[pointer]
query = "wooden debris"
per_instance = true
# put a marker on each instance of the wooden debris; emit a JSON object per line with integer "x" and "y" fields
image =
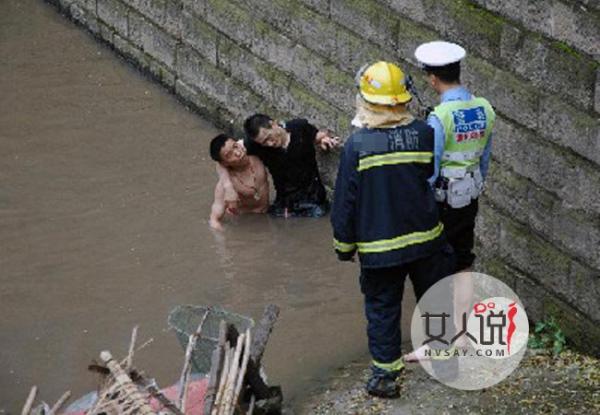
{"x": 234, "y": 385}
{"x": 242, "y": 374}
{"x": 215, "y": 369}
{"x": 232, "y": 378}
{"x": 185, "y": 372}
{"x": 222, "y": 381}
{"x": 126, "y": 386}
{"x": 29, "y": 402}
{"x": 152, "y": 388}
{"x": 251, "y": 406}
{"x": 165, "y": 402}
{"x": 145, "y": 344}
{"x": 129, "y": 360}
{"x": 60, "y": 403}
{"x": 262, "y": 332}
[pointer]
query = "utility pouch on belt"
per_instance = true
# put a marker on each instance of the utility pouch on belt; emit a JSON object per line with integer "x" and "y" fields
{"x": 458, "y": 186}
{"x": 460, "y": 191}
{"x": 440, "y": 194}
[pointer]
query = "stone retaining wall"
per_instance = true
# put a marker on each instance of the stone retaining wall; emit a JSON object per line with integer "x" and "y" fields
{"x": 536, "y": 61}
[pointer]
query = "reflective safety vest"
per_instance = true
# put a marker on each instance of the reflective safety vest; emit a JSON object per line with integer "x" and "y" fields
{"x": 383, "y": 205}
{"x": 467, "y": 126}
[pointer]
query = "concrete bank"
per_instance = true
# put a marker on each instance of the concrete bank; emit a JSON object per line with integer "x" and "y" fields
{"x": 537, "y": 62}
{"x": 542, "y": 384}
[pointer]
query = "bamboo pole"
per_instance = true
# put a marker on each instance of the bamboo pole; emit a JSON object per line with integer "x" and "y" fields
{"x": 183, "y": 379}
{"x": 232, "y": 378}
{"x": 185, "y": 372}
{"x": 129, "y": 360}
{"x": 152, "y": 388}
{"x": 215, "y": 369}
{"x": 103, "y": 397}
{"x": 29, "y": 402}
{"x": 242, "y": 374}
{"x": 222, "y": 380}
{"x": 251, "y": 407}
{"x": 225, "y": 396}
{"x": 60, "y": 403}
{"x": 126, "y": 384}
{"x": 166, "y": 402}
{"x": 145, "y": 344}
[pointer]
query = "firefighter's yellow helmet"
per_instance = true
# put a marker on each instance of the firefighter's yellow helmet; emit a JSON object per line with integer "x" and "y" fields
{"x": 383, "y": 83}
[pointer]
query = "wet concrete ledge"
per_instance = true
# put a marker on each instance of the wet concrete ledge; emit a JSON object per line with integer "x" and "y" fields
{"x": 542, "y": 384}
{"x": 540, "y": 224}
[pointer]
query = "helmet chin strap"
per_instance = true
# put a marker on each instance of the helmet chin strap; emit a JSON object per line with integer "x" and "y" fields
{"x": 360, "y": 73}
{"x": 410, "y": 86}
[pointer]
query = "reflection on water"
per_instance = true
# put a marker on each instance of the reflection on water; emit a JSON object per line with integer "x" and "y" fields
{"x": 105, "y": 188}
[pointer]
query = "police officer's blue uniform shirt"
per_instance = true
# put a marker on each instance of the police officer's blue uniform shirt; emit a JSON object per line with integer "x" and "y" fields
{"x": 459, "y": 93}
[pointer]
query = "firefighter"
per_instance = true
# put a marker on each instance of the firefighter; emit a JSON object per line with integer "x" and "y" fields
{"x": 462, "y": 125}
{"x": 384, "y": 209}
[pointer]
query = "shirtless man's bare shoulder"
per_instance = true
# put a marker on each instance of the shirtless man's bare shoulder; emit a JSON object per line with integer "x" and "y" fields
{"x": 243, "y": 185}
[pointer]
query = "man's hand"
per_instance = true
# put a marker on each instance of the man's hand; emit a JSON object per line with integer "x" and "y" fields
{"x": 232, "y": 207}
{"x": 327, "y": 140}
{"x": 216, "y": 224}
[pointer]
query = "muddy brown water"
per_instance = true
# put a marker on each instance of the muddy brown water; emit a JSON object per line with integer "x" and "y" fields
{"x": 105, "y": 188}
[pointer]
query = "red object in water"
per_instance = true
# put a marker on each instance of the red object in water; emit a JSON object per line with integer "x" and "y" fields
{"x": 194, "y": 404}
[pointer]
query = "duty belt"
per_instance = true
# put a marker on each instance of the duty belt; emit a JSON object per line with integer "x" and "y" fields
{"x": 458, "y": 172}
{"x": 461, "y": 155}
{"x": 458, "y": 192}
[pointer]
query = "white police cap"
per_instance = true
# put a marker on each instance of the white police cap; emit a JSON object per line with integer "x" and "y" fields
{"x": 439, "y": 53}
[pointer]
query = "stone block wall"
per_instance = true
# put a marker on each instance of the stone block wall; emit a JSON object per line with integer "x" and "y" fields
{"x": 538, "y": 62}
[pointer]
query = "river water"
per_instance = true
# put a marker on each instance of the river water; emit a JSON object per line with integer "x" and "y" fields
{"x": 105, "y": 189}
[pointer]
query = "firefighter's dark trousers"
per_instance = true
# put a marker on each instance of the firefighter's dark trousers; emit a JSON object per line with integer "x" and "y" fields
{"x": 383, "y": 289}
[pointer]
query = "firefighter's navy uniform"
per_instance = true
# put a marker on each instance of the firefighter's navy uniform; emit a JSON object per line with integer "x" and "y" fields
{"x": 384, "y": 209}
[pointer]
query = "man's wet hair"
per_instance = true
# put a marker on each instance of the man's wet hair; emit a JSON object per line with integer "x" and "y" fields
{"x": 216, "y": 144}
{"x": 449, "y": 74}
{"x": 254, "y": 123}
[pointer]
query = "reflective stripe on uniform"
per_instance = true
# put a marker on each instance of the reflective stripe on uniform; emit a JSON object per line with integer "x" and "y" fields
{"x": 394, "y": 366}
{"x": 394, "y": 158}
{"x": 398, "y": 242}
{"x": 343, "y": 246}
{"x": 461, "y": 155}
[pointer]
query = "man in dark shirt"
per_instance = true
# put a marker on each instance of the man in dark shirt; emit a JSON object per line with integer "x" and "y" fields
{"x": 288, "y": 151}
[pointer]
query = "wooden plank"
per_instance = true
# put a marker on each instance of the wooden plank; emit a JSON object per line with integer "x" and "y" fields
{"x": 262, "y": 332}
{"x": 215, "y": 369}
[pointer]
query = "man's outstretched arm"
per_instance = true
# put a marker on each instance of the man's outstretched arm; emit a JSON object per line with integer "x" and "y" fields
{"x": 327, "y": 140}
{"x": 217, "y": 210}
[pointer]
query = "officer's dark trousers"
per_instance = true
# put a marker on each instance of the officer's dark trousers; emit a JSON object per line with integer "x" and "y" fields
{"x": 383, "y": 289}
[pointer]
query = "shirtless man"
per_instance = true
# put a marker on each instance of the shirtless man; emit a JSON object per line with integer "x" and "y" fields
{"x": 288, "y": 151}
{"x": 248, "y": 178}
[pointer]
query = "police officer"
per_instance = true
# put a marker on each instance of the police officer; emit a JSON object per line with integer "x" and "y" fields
{"x": 463, "y": 137}
{"x": 384, "y": 209}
